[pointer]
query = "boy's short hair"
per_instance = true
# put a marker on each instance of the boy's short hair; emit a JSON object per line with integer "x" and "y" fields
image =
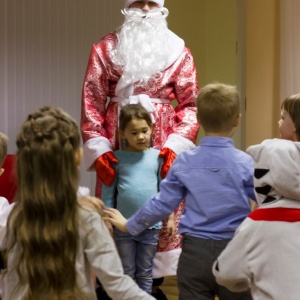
{"x": 218, "y": 105}
{"x": 3, "y": 147}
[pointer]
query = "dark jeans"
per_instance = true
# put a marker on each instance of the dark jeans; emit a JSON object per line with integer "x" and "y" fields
{"x": 194, "y": 274}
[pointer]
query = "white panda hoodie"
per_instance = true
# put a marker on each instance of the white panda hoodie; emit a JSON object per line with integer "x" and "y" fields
{"x": 265, "y": 251}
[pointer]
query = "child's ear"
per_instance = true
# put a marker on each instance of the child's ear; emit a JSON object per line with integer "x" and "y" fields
{"x": 78, "y": 156}
{"x": 236, "y": 121}
{"x": 1, "y": 171}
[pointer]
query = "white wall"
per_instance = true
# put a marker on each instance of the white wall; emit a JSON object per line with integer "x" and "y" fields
{"x": 289, "y": 48}
{"x": 44, "y": 49}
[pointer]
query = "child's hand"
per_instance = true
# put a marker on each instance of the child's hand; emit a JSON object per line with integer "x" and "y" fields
{"x": 171, "y": 228}
{"x": 116, "y": 218}
{"x": 253, "y": 205}
{"x": 92, "y": 202}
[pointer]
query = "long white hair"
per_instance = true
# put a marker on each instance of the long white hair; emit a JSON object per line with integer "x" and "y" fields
{"x": 142, "y": 44}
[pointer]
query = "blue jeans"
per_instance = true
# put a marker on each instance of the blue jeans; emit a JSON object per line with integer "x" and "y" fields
{"x": 137, "y": 253}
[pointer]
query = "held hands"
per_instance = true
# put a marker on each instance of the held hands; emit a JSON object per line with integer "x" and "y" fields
{"x": 168, "y": 155}
{"x": 115, "y": 218}
{"x": 105, "y": 172}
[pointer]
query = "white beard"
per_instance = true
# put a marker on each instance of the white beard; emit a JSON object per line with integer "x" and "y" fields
{"x": 142, "y": 45}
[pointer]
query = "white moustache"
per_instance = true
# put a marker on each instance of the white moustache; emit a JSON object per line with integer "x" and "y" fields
{"x": 159, "y": 13}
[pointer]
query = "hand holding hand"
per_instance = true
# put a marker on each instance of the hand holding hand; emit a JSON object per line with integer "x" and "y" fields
{"x": 105, "y": 172}
{"x": 168, "y": 155}
{"x": 115, "y": 218}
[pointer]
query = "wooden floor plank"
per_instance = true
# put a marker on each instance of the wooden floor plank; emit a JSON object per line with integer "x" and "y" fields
{"x": 169, "y": 287}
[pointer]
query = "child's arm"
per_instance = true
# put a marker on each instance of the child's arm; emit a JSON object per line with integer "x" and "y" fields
{"x": 160, "y": 206}
{"x": 171, "y": 226}
{"x": 113, "y": 216}
{"x": 85, "y": 200}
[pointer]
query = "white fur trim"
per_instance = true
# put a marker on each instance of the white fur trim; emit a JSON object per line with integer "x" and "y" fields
{"x": 165, "y": 263}
{"x": 94, "y": 148}
{"x": 124, "y": 89}
{"x": 176, "y": 46}
{"x": 127, "y": 3}
{"x": 178, "y": 143}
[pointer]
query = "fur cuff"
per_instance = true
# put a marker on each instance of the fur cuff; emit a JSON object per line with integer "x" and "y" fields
{"x": 94, "y": 148}
{"x": 178, "y": 143}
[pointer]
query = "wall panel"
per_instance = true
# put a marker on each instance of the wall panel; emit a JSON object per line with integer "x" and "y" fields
{"x": 44, "y": 51}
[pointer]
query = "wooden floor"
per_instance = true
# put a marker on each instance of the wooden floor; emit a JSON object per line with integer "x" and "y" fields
{"x": 169, "y": 287}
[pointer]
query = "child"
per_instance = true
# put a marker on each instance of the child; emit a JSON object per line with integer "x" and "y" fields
{"x": 137, "y": 179}
{"x": 264, "y": 254}
{"x": 52, "y": 243}
{"x": 289, "y": 124}
{"x": 217, "y": 181}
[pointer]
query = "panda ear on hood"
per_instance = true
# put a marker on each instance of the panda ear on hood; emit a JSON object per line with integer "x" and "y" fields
{"x": 277, "y": 164}
{"x": 255, "y": 150}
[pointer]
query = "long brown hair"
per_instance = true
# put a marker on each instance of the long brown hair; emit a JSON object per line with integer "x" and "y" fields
{"x": 43, "y": 224}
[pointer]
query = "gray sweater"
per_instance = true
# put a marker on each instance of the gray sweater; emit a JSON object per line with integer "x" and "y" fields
{"x": 97, "y": 253}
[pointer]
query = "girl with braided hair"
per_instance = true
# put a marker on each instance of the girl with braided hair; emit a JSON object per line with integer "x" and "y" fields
{"x": 53, "y": 244}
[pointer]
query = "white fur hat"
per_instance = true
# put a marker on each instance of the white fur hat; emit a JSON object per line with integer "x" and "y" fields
{"x": 127, "y": 3}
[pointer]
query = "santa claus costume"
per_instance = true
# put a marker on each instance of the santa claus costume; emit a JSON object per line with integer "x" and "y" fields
{"x": 152, "y": 67}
